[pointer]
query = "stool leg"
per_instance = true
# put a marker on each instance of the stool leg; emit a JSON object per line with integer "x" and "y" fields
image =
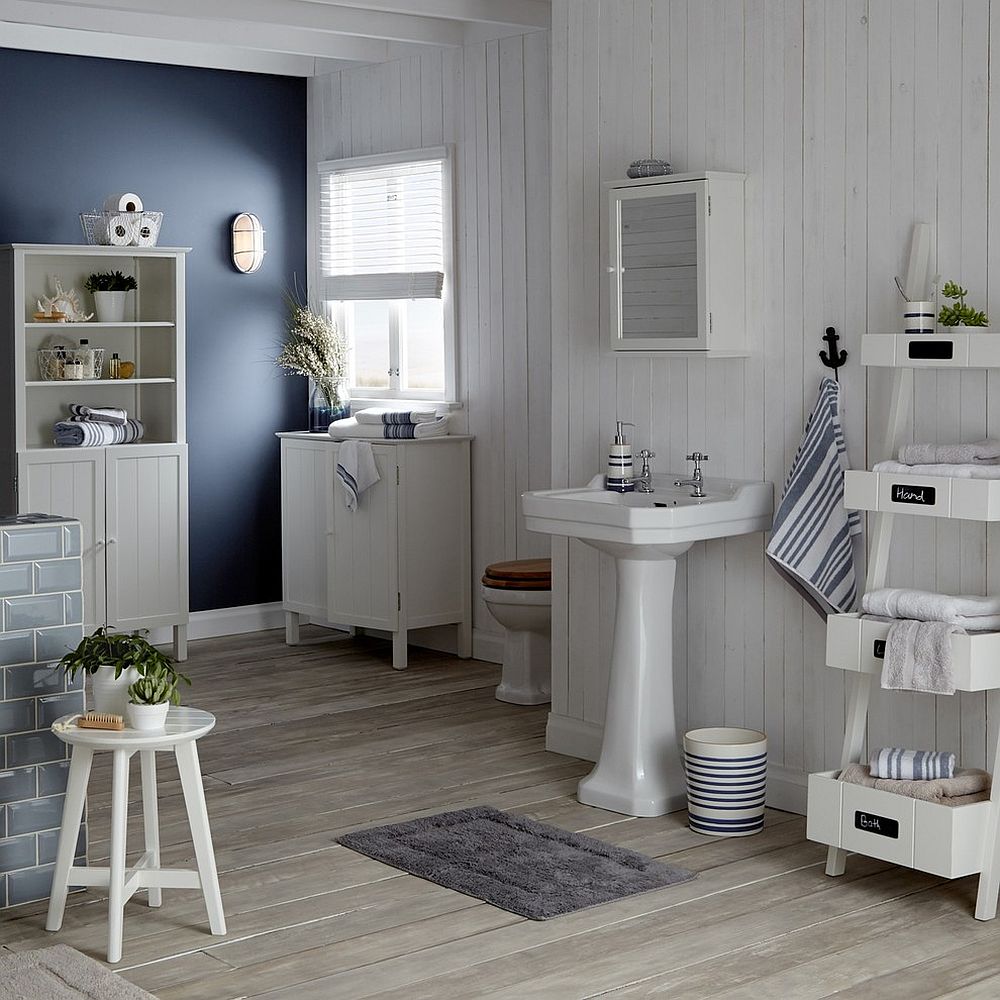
{"x": 76, "y": 794}
{"x": 201, "y": 835}
{"x": 116, "y": 873}
{"x": 150, "y": 817}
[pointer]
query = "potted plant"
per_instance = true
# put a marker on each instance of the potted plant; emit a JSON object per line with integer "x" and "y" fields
{"x": 114, "y": 660}
{"x": 109, "y": 289}
{"x": 150, "y": 697}
{"x": 957, "y": 315}
{"x": 314, "y": 347}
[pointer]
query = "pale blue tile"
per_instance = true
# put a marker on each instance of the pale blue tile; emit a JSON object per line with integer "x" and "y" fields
{"x": 54, "y": 706}
{"x": 20, "y": 784}
{"x": 74, "y": 608}
{"x": 17, "y": 647}
{"x": 15, "y": 579}
{"x": 34, "y": 815}
{"x": 18, "y": 852}
{"x": 29, "y": 886}
{"x": 33, "y": 612}
{"x": 32, "y": 543}
{"x": 34, "y": 748}
{"x": 33, "y": 679}
{"x": 57, "y": 574}
{"x": 71, "y": 540}
{"x": 52, "y": 778}
{"x": 17, "y": 716}
{"x": 48, "y": 844}
{"x": 55, "y": 643}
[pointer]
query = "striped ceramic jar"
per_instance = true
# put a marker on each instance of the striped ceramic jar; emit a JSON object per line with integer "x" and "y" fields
{"x": 726, "y": 778}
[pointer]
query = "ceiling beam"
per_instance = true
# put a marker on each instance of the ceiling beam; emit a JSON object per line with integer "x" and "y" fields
{"x": 528, "y": 14}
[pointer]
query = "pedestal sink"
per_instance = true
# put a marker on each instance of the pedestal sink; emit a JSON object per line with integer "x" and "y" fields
{"x": 639, "y": 772}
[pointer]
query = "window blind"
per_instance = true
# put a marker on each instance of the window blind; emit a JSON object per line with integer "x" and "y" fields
{"x": 381, "y": 231}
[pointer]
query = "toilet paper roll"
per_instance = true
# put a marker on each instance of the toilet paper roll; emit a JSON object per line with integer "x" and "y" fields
{"x": 146, "y": 232}
{"x": 122, "y": 230}
{"x": 128, "y": 201}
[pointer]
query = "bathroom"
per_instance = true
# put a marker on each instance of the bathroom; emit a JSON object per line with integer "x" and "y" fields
{"x": 851, "y": 121}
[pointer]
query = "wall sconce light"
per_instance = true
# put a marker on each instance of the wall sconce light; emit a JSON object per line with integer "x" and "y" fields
{"x": 248, "y": 243}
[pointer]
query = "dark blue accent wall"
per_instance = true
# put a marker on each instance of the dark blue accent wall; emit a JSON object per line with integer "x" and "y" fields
{"x": 200, "y": 146}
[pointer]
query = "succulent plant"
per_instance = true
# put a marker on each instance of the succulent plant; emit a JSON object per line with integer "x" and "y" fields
{"x": 958, "y": 313}
{"x": 157, "y": 687}
{"x": 110, "y": 281}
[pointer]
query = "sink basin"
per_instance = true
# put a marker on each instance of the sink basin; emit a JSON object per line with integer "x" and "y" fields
{"x": 639, "y": 771}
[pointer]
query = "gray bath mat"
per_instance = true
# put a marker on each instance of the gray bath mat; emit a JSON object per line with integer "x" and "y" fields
{"x": 61, "y": 973}
{"x": 528, "y": 868}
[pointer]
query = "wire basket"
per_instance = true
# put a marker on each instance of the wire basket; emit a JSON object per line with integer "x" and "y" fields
{"x": 52, "y": 363}
{"x": 121, "y": 229}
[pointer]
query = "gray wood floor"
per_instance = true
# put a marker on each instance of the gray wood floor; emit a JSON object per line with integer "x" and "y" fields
{"x": 326, "y": 737}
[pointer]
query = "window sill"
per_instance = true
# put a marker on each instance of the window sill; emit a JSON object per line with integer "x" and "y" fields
{"x": 404, "y": 402}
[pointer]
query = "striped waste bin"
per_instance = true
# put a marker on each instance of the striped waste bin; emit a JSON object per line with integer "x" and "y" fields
{"x": 726, "y": 778}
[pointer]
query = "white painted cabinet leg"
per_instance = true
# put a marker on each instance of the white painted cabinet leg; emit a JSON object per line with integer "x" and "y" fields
{"x": 465, "y": 639}
{"x": 180, "y": 643}
{"x": 201, "y": 835}
{"x": 292, "y": 620}
{"x": 116, "y": 873}
{"x": 399, "y": 650}
{"x": 989, "y": 877}
{"x": 150, "y": 818}
{"x": 76, "y": 795}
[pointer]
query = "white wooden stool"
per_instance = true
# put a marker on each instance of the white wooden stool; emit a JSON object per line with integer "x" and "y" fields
{"x": 183, "y": 727}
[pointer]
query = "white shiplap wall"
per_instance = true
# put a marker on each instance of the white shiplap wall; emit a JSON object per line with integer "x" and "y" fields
{"x": 851, "y": 120}
{"x": 491, "y": 101}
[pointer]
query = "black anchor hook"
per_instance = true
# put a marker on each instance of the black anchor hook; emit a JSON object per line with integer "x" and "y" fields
{"x": 835, "y": 358}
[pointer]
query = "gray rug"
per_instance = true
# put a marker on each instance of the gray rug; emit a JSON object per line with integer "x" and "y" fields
{"x": 61, "y": 973}
{"x": 528, "y": 868}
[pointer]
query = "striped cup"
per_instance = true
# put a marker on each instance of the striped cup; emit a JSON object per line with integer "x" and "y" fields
{"x": 726, "y": 778}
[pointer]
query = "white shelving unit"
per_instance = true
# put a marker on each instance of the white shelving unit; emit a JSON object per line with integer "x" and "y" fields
{"x": 130, "y": 499}
{"x": 950, "y": 841}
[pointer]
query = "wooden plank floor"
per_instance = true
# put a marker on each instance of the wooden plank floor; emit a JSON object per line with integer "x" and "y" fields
{"x": 326, "y": 737}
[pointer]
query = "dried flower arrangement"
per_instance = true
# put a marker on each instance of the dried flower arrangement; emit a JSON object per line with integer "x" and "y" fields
{"x": 313, "y": 347}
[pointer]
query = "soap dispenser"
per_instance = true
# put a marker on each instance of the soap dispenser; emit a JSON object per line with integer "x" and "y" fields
{"x": 620, "y": 477}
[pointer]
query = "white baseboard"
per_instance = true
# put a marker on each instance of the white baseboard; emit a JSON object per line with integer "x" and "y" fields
{"x": 487, "y": 646}
{"x": 226, "y": 621}
{"x": 787, "y": 788}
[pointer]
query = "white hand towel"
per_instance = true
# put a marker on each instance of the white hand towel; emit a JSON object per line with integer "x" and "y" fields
{"x": 349, "y": 427}
{"x": 975, "y": 453}
{"x": 356, "y": 470}
{"x": 380, "y": 415}
{"x": 967, "y": 611}
{"x": 918, "y": 657}
{"x": 954, "y": 471}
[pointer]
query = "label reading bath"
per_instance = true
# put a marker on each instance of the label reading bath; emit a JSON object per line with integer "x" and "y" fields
{"x": 881, "y": 825}
{"x": 923, "y": 495}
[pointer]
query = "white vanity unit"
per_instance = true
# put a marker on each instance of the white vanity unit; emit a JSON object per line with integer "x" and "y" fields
{"x": 131, "y": 499}
{"x": 401, "y": 561}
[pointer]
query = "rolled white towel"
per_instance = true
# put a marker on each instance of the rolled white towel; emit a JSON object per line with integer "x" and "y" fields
{"x": 954, "y": 471}
{"x": 975, "y": 453}
{"x": 350, "y": 428}
{"x": 380, "y": 415}
{"x": 968, "y": 611}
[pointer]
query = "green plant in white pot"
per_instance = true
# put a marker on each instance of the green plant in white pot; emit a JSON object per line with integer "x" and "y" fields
{"x": 110, "y": 290}
{"x": 150, "y": 697}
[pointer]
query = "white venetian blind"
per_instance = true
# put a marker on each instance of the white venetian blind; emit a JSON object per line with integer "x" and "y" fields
{"x": 381, "y": 230}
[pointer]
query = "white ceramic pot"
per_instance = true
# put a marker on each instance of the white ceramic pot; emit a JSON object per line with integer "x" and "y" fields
{"x": 147, "y": 718}
{"x": 919, "y": 317}
{"x": 111, "y": 693}
{"x": 110, "y": 306}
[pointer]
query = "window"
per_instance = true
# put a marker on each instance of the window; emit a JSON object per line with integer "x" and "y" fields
{"x": 384, "y": 270}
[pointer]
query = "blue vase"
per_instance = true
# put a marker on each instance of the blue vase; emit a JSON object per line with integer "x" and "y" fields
{"x": 322, "y": 412}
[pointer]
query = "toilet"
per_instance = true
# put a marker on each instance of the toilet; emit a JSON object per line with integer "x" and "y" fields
{"x": 519, "y": 596}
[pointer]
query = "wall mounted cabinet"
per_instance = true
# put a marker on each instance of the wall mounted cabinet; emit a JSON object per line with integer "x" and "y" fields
{"x": 676, "y": 267}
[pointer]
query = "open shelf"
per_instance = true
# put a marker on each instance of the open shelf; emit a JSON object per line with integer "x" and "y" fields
{"x": 60, "y": 327}
{"x": 943, "y": 840}
{"x": 118, "y": 382}
{"x": 931, "y": 350}
{"x": 858, "y": 644}
{"x": 927, "y": 496}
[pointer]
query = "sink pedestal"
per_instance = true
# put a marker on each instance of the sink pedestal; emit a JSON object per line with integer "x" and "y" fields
{"x": 639, "y": 772}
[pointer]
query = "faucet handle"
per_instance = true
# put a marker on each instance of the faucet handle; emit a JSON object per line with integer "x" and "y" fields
{"x": 697, "y": 456}
{"x": 646, "y": 453}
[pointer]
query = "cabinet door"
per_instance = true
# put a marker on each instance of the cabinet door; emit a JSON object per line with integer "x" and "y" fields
{"x": 363, "y": 569}
{"x": 71, "y": 482}
{"x": 304, "y": 488}
{"x": 147, "y": 550}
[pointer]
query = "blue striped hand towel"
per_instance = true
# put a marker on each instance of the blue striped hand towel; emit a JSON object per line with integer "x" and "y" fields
{"x": 910, "y": 765}
{"x": 356, "y": 470}
{"x": 811, "y": 542}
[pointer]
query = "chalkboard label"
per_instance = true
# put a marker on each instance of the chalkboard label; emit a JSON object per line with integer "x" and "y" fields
{"x": 881, "y": 825}
{"x": 879, "y": 650}
{"x": 931, "y": 350}
{"x": 922, "y": 495}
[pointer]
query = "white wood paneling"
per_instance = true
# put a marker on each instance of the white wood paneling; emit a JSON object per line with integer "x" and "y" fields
{"x": 852, "y": 120}
{"x": 491, "y": 101}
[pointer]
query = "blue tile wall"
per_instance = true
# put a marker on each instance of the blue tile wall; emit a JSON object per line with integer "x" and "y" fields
{"x": 41, "y": 615}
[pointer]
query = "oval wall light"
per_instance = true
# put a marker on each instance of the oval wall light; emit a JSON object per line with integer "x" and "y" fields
{"x": 248, "y": 243}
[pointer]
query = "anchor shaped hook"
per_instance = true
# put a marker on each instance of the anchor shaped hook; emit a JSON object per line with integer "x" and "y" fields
{"x": 835, "y": 358}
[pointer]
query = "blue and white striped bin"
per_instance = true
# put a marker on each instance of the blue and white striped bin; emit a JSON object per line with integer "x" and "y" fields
{"x": 726, "y": 780}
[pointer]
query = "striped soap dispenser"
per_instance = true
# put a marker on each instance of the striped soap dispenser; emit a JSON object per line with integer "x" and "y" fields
{"x": 620, "y": 477}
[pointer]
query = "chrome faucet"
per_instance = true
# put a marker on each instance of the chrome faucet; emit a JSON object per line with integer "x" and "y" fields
{"x": 645, "y": 476}
{"x": 697, "y": 480}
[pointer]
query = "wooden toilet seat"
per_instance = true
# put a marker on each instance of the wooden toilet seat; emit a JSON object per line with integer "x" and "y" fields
{"x": 519, "y": 574}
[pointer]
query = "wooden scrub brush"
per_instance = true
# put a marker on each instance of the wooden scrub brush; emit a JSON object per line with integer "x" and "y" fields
{"x": 100, "y": 720}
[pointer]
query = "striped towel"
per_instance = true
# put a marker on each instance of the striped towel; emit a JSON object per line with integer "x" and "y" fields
{"x": 376, "y": 415}
{"x": 95, "y": 434}
{"x": 102, "y": 414}
{"x": 895, "y": 762}
{"x": 811, "y": 540}
{"x": 356, "y": 470}
{"x": 350, "y": 428}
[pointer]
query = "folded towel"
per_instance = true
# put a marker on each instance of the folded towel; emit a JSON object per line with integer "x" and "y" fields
{"x": 811, "y": 542}
{"x": 102, "y": 414}
{"x": 978, "y": 452}
{"x": 968, "y": 611}
{"x": 911, "y": 765}
{"x": 350, "y": 428}
{"x": 968, "y": 785}
{"x": 94, "y": 434}
{"x": 954, "y": 471}
{"x": 918, "y": 657}
{"x": 377, "y": 415}
{"x": 356, "y": 470}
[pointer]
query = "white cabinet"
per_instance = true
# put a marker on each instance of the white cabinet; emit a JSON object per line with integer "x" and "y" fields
{"x": 401, "y": 561}
{"x": 131, "y": 500}
{"x": 676, "y": 267}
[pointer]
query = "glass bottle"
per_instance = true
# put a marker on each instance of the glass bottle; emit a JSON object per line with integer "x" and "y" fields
{"x": 114, "y": 367}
